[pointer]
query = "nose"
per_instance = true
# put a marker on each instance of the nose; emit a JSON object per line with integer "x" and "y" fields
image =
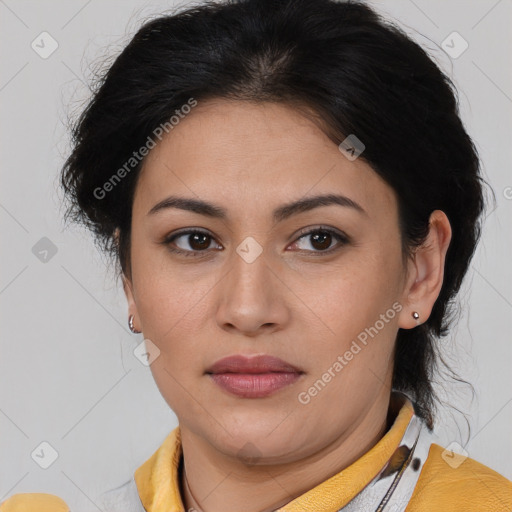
{"x": 251, "y": 298}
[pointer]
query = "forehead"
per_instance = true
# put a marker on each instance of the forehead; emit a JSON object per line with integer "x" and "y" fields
{"x": 254, "y": 155}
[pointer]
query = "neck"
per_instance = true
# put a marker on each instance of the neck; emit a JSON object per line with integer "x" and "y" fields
{"x": 213, "y": 482}
{"x": 189, "y": 501}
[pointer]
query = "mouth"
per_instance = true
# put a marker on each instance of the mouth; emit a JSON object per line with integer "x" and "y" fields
{"x": 253, "y": 377}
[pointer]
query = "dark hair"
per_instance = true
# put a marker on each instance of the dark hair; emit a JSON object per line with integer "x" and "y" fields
{"x": 358, "y": 73}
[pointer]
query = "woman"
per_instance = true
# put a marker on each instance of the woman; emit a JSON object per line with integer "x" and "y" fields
{"x": 293, "y": 202}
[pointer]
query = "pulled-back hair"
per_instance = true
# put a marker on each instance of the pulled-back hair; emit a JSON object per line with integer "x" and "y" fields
{"x": 338, "y": 59}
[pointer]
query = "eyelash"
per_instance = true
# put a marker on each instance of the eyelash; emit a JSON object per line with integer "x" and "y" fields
{"x": 339, "y": 236}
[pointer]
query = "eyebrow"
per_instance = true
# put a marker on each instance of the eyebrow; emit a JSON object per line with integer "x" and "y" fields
{"x": 279, "y": 214}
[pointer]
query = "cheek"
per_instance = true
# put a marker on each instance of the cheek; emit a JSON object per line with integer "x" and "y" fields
{"x": 166, "y": 293}
{"x": 173, "y": 313}
{"x": 354, "y": 293}
{"x": 358, "y": 303}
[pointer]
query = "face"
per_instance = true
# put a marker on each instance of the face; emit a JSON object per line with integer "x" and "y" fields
{"x": 319, "y": 286}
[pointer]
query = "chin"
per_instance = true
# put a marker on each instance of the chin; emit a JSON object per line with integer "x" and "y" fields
{"x": 257, "y": 445}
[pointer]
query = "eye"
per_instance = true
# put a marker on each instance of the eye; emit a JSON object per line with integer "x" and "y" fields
{"x": 320, "y": 240}
{"x": 193, "y": 242}
{"x": 190, "y": 242}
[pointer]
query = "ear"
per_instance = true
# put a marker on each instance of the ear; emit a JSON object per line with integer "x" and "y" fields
{"x": 128, "y": 291}
{"x": 426, "y": 272}
{"x": 128, "y": 288}
{"x": 130, "y": 298}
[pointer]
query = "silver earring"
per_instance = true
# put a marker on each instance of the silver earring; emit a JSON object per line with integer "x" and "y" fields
{"x": 131, "y": 326}
{"x": 415, "y": 315}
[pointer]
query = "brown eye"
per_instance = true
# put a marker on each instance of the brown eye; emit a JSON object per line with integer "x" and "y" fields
{"x": 199, "y": 241}
{"x": 320, "y": 240}
{"x": 189, "y": 242}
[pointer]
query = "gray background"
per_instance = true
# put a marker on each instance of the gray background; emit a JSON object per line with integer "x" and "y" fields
{"x": 67, "y": 370}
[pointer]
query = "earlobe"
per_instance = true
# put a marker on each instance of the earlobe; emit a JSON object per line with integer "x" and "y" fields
{"x": 426, "y": 272}
{"x": 128, "y": 291}
{"x": 132, "y": 307}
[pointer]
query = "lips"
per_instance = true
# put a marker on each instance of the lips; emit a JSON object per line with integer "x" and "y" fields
{"x": 253, "y": 377}
{"x": 255, "y": 364}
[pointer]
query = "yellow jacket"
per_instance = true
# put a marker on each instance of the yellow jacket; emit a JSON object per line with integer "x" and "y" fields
{"x": 445, "y": 484}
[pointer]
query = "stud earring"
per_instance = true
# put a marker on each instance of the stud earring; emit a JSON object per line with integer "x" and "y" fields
{"x": 131, "y": 326}
{"x": 415, "y": 315}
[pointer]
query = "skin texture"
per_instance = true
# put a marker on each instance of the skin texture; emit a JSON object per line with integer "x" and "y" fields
{"x": 292, "y": 301}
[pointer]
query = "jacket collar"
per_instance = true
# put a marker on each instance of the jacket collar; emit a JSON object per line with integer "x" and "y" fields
{"x": 158, "y": 478}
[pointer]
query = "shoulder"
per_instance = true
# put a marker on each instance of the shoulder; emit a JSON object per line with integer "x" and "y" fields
{"x": 124, "y": 498}
{"x": 451, "y": 482}
{"x": 29, "y": 502}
